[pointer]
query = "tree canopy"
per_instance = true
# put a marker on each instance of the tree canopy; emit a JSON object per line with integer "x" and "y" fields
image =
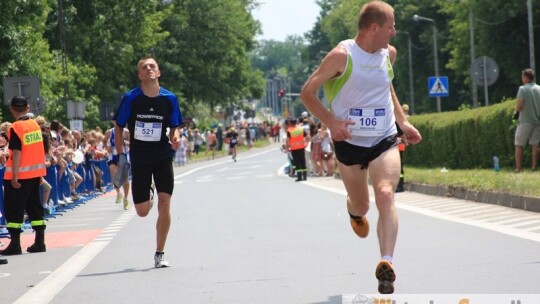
{"x": 87, "y": 50}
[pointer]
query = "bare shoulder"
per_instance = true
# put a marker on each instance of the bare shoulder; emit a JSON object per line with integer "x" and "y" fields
{"x": 392, "y": 52}
{"x": 335, "y": 61}
{"x": 337, "y": 54}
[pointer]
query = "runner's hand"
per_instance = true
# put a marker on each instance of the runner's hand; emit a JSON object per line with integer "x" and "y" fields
{"x": 175, "y": 143}
{"x": 413, "y": 136}
{"x": 339, "y": 129}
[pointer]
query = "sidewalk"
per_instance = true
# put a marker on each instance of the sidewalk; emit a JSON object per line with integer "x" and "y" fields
{"x": 526, "y": 203}
{"x": 518, "y": 222}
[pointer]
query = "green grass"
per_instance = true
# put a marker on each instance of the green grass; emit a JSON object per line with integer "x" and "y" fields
{"x": 526, "y": 183}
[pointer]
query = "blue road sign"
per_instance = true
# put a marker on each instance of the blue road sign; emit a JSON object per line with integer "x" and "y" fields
{"x": 438, "y": 86}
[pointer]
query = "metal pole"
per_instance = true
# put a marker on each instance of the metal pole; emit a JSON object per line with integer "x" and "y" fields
{"x": 274, "y": 98}
{"x": 271, "y": 95}
{"x": 436, "y": 62}
{"x": 289, "y": 101}
{"x": 531, "y": 34}
{"x": 486, "y": 93}
{"x": 471, "y": 36}
{"x": 411, "y": 82}
{"x": 61, "y": 28}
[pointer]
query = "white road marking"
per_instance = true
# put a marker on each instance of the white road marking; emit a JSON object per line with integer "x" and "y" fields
{"x": 50, "y": 286}
{"x": 428, "y": 209}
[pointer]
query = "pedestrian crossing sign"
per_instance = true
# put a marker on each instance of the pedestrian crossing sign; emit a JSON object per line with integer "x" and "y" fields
{"x": 438, "y": 86}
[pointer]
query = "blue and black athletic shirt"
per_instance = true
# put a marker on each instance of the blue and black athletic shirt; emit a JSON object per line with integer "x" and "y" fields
{"x": 147, "y": 119}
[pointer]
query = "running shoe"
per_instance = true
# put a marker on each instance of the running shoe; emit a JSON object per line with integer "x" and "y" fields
{"x": 386, "y": 276}
{"x": 126, "y": 203}
{"x": 360, "y": 225}
{"x": 119, "y": 198}
{"x": 159, "y": 261}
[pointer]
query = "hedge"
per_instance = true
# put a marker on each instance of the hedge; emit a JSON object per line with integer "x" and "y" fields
{"x": 465, "y": 139}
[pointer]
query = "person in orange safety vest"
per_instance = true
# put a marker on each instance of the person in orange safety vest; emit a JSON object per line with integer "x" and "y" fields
{"x": 296, "y": 141}
{"x": 25, "y": 168}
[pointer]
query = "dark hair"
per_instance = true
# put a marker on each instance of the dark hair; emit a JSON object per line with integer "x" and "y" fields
{"x": 147, "y": 56}
{"x": 55, "y": 125}
{"x": 529, "y": 73}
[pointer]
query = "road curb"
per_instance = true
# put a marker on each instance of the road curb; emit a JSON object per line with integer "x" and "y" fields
{"x": 527, "y": 203}
{"x": 495, "y": 198}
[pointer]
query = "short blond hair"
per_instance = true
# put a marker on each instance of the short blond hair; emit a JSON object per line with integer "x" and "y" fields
{"x": 4, "y": 127}
{"x": 375, "y": 11}
{"x": 40, "y": 120}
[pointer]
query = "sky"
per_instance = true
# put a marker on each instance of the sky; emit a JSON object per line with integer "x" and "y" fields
{"x": 280, "y": 18}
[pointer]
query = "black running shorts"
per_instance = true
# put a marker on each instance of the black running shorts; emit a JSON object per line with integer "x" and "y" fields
{"x": 349, "y": 154}
{"x": 141, "y": 179}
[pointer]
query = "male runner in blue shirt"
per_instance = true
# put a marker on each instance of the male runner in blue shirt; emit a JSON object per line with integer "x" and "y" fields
{"x": 148, "y": 111}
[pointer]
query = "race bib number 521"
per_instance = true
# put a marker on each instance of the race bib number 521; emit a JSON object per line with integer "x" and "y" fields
{"x": 148, "y": 131}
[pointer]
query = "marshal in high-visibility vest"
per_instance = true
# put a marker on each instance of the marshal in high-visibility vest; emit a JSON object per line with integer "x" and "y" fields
{"x": 32, "y": 160}
{"x": 24, "y": 171}
{"x": 297, "y": 142}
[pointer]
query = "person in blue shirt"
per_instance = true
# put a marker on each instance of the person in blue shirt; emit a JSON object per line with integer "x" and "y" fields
{"x": 149, "y": 112}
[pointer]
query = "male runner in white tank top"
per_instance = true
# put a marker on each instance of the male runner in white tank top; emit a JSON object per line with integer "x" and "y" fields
{"x": 364, "y": 109}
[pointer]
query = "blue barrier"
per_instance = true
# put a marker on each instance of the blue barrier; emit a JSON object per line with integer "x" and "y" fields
{"x": 52, "y": 179}
{"x": 105, "y": 174}
{"x": 60, "y": 187}
{"x": 82, "y": 172}
{"x": 89, "y": 178}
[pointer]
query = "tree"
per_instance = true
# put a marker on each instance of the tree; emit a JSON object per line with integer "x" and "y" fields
{"x": 23, "y": 49}
{"x": 207, "y": 51}
{"x": 108, "y": 38}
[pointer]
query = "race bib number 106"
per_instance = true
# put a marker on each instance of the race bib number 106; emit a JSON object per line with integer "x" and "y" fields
{"x": 368, "y": 122}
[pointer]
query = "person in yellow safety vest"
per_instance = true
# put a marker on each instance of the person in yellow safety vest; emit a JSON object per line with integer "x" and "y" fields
{"x": 25, "y": 168}
{"x": 296, "y": 142}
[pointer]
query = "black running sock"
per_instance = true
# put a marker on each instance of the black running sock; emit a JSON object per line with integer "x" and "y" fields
{"x": 354, "y": 217}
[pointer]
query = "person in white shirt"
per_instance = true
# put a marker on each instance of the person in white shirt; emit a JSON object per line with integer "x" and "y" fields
{"x": 357, "y": 75}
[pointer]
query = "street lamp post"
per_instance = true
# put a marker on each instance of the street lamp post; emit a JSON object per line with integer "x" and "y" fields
{"x": 285, "y": 83}
{"x": 531, "y": 34}
{"x": 435, "y": 52}
{"x": 271, "y": 95}
{"x": 411, "y": 81}
{"x": 473, "y": 57}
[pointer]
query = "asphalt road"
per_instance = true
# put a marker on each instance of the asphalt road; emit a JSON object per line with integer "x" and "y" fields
{"x": 245, "y": 233}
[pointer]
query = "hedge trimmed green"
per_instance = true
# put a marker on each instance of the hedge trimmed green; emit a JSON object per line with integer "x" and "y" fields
{"x": 465, "y": 139}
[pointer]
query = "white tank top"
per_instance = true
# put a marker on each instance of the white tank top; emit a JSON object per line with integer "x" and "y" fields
{"x": 362, "y": 94}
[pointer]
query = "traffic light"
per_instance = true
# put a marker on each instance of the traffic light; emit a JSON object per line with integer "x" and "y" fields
{"x": 281, "y": 93}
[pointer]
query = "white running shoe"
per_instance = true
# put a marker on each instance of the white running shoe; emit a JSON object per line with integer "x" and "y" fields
{"x": 160, "y": 262}
{"x": 126, "y": 203}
